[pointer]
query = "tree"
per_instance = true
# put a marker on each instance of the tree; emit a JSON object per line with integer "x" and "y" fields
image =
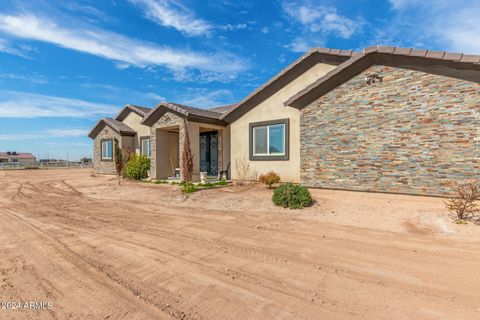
{"x": 187, "y": 157}
{"x": 118, "y": 160}
{"x": 85, "y": 160}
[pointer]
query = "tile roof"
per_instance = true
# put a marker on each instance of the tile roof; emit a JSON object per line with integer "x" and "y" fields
{"x": 118, "y": 126}
{"x": 359, "y": 61}
{"x": 191, "y": 113}
{"x": 142, "y": 111}
{"x": 17, "y": 155}
{"x": 225, "y": 108}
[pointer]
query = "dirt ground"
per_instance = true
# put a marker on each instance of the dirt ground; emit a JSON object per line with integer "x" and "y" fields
{"x": 97, "y": 250}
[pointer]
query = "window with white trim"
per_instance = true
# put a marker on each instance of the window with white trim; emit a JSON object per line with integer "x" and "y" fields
{"x": 106, "y": 149}
{"x": 145, "y": 146}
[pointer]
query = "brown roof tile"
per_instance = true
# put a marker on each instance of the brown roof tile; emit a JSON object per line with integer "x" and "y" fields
{"x": 470, "y": 58}
{"x": 452, "y": 56}
{"x": 118, "y": 126}
{"x": 418, "y": 52}
{"x": 435, "y": 54}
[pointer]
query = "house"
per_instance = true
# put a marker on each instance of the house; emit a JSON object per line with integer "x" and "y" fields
{"x": 384, "y": 119}
{"x": 21, "y": 159}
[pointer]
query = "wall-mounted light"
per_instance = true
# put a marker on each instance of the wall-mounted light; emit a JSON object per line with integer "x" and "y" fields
{"x": 372, "y": 77}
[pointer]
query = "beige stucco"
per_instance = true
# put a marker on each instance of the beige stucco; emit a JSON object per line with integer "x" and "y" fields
{"x": 166, "y": 144}
{"x": 133, "y": 121}
{"x": 194, "y": 135}
{"x": 272, "y": 109}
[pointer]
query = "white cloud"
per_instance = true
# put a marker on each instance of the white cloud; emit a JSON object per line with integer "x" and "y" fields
{"x": 7, "y": 47}
{"x": 51, "y": 133}
{"x": 15, "y": 104}
{"x": 113, "y": 46}
{"x": 173, "y": 14}
{"x": 435, "y": 24}
{"x": 33, "y": 78}
{"x": 204, "y": 98}
{"x": 318, "y": 22}
{"x": 321, "y": 18}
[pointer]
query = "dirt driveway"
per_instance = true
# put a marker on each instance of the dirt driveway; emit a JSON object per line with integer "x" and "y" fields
{"x": 97, "y": 250}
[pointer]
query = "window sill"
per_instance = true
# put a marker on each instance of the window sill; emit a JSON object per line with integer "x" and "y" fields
{"x": 269, "y": 158}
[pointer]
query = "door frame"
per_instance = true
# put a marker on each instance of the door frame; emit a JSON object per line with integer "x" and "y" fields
{"x": 209, "y": 151}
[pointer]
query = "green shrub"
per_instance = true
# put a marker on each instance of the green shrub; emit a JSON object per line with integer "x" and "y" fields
{"x": 221, "y": 183}
{"x": 206, "y": 184}
{"x": 269, "y": 178}
{"x": 137, "y": 167}
{"x": 293, "y": 196}
{"x": 160, "y": 182}
{"x": 188, "y": 188}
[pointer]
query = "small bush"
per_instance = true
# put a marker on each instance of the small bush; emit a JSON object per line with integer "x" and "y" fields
{"x": 160, "y": 182}
{"x": 269, "y": 178}
{"x": 188, "y": 188}
{"x": 464, "y": 198}
{"x": 137, "y": 167}
{"x": 293, "y": 196}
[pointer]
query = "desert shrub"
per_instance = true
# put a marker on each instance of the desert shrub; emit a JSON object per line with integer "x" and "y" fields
{"x": 269, "y": 178}
{"x": 293, "y": 196}
{"x": 118, "y": 160}
{"x": 188, "y": 187}
{"x": 137, "y": 167}
{"x": 244, "y": 172}
{"x": 464, "y": 198}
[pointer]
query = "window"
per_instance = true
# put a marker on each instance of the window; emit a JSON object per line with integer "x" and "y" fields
{"x": 269, "y": 140}
{"x": 106, "y": 150}
{"x": 145, "y": 146}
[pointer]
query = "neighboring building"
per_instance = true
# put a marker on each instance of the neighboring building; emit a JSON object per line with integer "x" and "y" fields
{"x": 21, "y": 159}
{"x": 385, "y": 119}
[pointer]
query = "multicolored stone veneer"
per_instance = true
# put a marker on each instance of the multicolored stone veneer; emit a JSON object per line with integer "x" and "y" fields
{"x": 414, "y": 132}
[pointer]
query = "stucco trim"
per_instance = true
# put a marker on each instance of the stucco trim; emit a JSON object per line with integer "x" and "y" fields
{"x": 113, "y": 150}
{"x": 284, "y": 157}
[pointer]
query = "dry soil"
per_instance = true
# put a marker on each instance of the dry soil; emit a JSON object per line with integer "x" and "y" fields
{"x": 98, "y": 250}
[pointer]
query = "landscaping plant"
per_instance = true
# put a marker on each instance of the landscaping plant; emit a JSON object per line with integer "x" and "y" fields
{"x": 118, "y": 158}
{"x": 137, "y": 167}
{"x": 293, "y": 196}
{"x": 269, "y": 178}
{"x": 187, "y": 157}
{"x": 244, "y": 171}
{"x": 464, "y": 198}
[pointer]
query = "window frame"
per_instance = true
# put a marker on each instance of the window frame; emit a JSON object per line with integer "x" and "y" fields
{"x": 101, "y": 150}
{"x": 269, "y": 157}
{"x": 149, "y": 146}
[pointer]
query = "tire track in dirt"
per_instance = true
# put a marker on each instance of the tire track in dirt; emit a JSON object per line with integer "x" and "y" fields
{"x": 89, "y": 270}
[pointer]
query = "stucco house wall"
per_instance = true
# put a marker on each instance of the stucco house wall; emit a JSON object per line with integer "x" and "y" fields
{"x": 162, "y": 140}
{"x": 273, "y": 109}
{"x": 133, "y": 121}
{"x": 414, "y": 132}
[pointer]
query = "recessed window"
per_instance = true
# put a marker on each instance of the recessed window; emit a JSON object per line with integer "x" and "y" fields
{"x": 106, "y": 150}
{"x": 269, "y": 140}
{"x": 145, "y": 146}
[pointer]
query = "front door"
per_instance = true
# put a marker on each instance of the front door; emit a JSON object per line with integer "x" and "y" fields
{"x": 208, "y": 152}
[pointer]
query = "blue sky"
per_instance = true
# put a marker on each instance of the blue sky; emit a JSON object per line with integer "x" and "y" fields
{"x": 64, "y": 64}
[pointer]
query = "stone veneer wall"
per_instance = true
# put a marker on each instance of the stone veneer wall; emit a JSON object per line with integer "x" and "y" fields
{"x": 167, "y": 120}
{"x": 413, "y": 132}
{"x": 103, "y": 167}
